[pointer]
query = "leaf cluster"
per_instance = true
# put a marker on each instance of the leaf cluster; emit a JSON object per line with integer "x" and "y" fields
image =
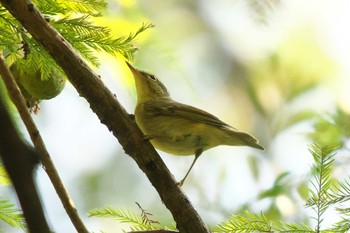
{"x": 136, "y": 222}
{"x": 247, "y": 222}
{"x": 11, "y": 215}
{"x": 332, "y": 129}
{"x": 74, "y": 20}
{"x": 8, "y": 211}
{"x": 324, "y": 193}
{"x": 322, "y": 182}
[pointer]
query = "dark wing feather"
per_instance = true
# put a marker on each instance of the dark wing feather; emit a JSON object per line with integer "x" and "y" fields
{"x": 171, "y": 108}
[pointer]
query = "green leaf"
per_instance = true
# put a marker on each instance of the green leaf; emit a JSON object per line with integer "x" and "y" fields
{"x": 54, "y": 7}
{"x": 11, "y": 215}
{"x": 247, "y": 222}
{"x": 303, "y": 190}
{"x": 125, "y": 216}
{"x": 332, "y": 129}
{"x": 292, "y": 228}
{"x": 280, "y": 186}
{"x": 321, "y": 182}
{"x": 253, "y": 163}
{"x": 4, "y": 178}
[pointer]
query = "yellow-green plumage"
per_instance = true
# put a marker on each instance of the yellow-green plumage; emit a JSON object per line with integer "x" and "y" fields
{"x": 182, "y": 129}
{"x": 177, "y": 128}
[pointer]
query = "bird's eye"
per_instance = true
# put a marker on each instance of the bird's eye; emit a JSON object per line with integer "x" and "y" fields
{"x": 153, "y": 77}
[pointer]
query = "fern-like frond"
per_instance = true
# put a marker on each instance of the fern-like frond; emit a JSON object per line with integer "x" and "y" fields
{"x": 103, "y": 41}
{"x": 11, "y": 215}
{"x": 9, "y": 36}
{"x": 81, "y": 26}
{"x": 123, "y": 215}
{"x": 86, "y": 52}
{"x": 12, "y": 39}
{"x": 247, "y": 222}
{"x": 340, "y": 196}
{"x": 50, "y": 7}
{"x": 72, "y": 18}
{"x": 342, "y": 226}
{"x": 321, "y": 181}
{"x": 84, "y": 6}
{"x": 127, "y": 216}
{"x": 340, "y": 192}
{"x": 54, "y": 7}
{"x": 292, "y": 228}
{"x": 6, "y": 41}
{"x": 37, "y": 59}
{"x": 123, "y": 45}
{"x": 86, "y": 37}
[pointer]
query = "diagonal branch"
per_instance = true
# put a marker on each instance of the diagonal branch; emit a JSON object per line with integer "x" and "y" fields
{"x": 110, "y": 113}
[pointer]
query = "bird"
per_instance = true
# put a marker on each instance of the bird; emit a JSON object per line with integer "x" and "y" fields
{"x": 178, "y": 128}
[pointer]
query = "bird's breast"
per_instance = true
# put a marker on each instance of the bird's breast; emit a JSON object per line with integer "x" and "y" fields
{"x": 175, "y": 136}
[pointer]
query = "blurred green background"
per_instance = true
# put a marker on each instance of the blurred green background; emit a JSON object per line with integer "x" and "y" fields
{"x": 276, "y": 69}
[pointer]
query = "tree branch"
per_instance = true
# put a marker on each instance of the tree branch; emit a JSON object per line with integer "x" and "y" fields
{"x": 110, "y": 113}
{"x": 19, "y": 102}
{"x": 20, "y": 161}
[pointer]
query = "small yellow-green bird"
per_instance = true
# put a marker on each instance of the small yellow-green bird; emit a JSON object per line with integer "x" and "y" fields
{"x": 178, "y": 128}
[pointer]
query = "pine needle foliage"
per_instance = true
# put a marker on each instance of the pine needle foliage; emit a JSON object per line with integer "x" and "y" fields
{"x": 340, "y": 196}
{"x": 8, "y": 212}
{"x": 321, "y": 182}
{"x": 340, "y": 193}
{"x": 74, "y": 20}
{"x": 292, "y": 228}
{"x": 252, "y": 222}
{"x": 52, "y": 7}
{"x": 135, "y": 221}
{"x": 325, "y": 193}
{"x": 247, "y": 222}
{"x": 11, "y": 215}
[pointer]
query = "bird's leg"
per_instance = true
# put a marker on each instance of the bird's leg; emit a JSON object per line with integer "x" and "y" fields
{"x": 196, "y": 156}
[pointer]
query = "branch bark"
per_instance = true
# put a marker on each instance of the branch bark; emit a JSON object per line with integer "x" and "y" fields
{"x": 20, "y": 161}
{"x": 111, "y": 113}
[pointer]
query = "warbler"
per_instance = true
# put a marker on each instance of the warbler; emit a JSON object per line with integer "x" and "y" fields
{"x": 177, "y": 128}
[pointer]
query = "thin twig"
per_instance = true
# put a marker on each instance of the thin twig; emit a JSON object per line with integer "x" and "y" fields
{"x": 145, "y": 216}
{"x": 18, "y": 100}
{"x": 20, "y": 161}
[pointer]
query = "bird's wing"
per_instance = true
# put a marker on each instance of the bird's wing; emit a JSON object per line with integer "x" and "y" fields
{"x": 171, "y": 108}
